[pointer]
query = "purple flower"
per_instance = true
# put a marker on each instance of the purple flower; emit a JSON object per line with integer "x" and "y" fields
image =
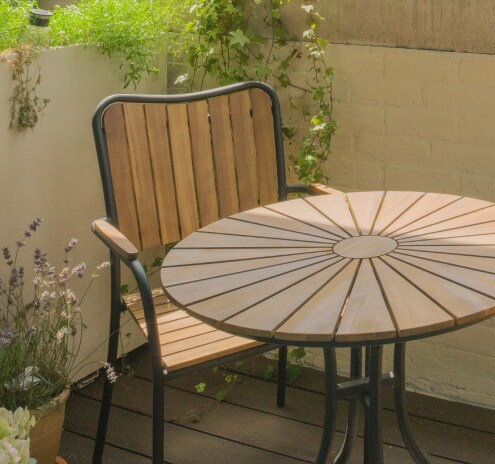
{"x": 110, "y": 373}
{"x": 39, "y": 257}
{"x": 14, "y": 279}
{"x": 35, "y": 224}
{"x": 6, "y": 337}
{"x": 31, "y": 331}
{"x": 70, "y": 246}
{"x": 79, "y": 270}
{"x": 6, "y": 255}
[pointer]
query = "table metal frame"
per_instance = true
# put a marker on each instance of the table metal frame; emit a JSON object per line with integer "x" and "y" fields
{"x": 366, "y": 391}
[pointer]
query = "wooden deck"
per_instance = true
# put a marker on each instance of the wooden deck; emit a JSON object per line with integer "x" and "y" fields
{"x": 248, "y": 428}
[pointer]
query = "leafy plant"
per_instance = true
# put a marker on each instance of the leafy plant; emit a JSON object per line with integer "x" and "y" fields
{"x": 132, "y": 29}
{"x": 14, "y": 18}
{"x": 224, "y": 44}
{"x": 293, "y": 368}
{"x": 41, "y": 326}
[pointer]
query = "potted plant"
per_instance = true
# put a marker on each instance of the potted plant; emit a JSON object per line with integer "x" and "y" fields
{"x": 41, "y": 326}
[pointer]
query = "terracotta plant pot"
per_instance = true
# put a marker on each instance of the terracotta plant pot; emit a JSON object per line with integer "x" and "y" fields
{"x": 45, "y": 435}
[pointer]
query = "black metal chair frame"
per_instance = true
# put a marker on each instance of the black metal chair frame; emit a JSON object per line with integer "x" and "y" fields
{"x": 138, "y": 271}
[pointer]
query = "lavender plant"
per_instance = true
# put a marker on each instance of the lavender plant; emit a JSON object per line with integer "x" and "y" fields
{"x": 41, "y": 325}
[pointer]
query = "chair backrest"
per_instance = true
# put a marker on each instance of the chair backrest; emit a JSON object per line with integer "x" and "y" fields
{"x": 174, "y": 163}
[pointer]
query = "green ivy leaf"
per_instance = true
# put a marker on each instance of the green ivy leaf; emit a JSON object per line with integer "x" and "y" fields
{"x": 157, "y": 262}
{"x": 200, "y": 387}
{"x": 239, "y": 39}
{"x": 221, "y": 395}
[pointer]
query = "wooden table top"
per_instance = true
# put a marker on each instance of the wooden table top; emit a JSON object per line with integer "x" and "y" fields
{"x": 341, "y": 268}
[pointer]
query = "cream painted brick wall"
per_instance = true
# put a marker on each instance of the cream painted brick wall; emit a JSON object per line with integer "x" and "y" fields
{"x": 421, "y": 120}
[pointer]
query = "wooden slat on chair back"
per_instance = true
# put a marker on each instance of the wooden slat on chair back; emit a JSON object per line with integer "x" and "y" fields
{"x": 179, "y": 166}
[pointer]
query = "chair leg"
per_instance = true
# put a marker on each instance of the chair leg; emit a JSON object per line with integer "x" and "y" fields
{"x": 282, "y": 376}
{"x": 103, "y": 422}
{"x": 158, "y": 416}
{"x": 106, "y": 401}
{"x": 113, "y": 343}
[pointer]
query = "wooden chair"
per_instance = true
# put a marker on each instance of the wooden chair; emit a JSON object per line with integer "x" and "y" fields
{"x": 170, "y": 165}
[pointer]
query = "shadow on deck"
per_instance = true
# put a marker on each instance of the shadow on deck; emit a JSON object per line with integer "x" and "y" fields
{"x": 248, "y": 428}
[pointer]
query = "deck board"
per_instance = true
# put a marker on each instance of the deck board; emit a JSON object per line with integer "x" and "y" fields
{"x": 250, "y": 427}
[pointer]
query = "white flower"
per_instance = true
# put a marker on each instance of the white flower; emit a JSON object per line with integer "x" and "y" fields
{"x": 61, "y": 333}
{"x": 14, "y": 447}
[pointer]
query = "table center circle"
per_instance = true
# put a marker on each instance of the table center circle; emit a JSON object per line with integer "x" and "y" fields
{"x": 365, "y": 246}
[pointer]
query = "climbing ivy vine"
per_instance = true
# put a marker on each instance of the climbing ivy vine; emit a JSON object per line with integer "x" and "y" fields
{"x": 229, "y": 41}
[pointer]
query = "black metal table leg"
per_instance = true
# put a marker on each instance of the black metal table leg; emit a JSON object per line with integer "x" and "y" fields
{"x": 400, "y": 406}
{"x": 365, "y": 403}
{"x": 353, "y": 414}
{"x": 330, "y": 404}
{"x": 373, "y": 438}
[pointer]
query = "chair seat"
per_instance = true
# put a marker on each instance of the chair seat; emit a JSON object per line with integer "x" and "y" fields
{"x": 184, "y": 340}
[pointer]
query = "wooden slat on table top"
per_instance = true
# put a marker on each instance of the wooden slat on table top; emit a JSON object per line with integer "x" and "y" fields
{"x": 464, "y": 231}
{"x": 412, "y": 310}
{"x": 216, "y": 240}
{"x": 187, "y": 257}
{"x": 335, "y": 208}
{"x": 482, "y": 282}
{"x": 184, "y": 274}
{"x": 263, "y": 318}
{"x": 235, "y": 301}
{"x": 474, "y": 262}
{"x": 462, "y": 302}
{"x": 317, "y": 318}
{"x": 425, "y": 206}
{"x": 458, "y": 224}
{"x": 451, "y": 212}
{"x": 358, "y": 288}
{"x": 366, "y": 312}
{"x": 394, "y": 206}
{"x": 365, "y": 207}
{"x": 198, "y": 290}
{"x": 470, "y": 240}
{"x": 242, "y": 228}
{"x": 271, "y": 218}
{"x": 303, "y": 211}
{"x": 467, "y": 250}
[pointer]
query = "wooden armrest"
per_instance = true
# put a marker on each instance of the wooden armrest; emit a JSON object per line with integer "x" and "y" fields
{"x": 320, "y": 189}
{"x": 115, "y": 240}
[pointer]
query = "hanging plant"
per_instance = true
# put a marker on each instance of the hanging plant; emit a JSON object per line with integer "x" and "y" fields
{"x": 26, "y": 104}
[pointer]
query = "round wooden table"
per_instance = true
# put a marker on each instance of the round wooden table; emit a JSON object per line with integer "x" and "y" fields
{"x": 361, "y": 269}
